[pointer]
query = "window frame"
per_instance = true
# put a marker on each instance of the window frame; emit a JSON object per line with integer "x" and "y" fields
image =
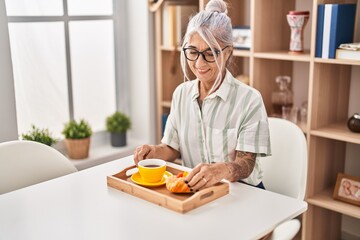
{"x": 120, "y": 55}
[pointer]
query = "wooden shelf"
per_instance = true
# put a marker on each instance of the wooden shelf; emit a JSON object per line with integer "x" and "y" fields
{"x": 284, "y": 55}
{"x": 337, "y": 61}
{"x": 170, "y": 48}
{"x": 155, "y": 5}
{"x": 166, "y": 104}
{"x": 303, "y": 127}
{"x": 337, "y": 131}
{"x": 325, "y": 200}
{"x": 241, "y": 53}
{"x": 324, "y": 83}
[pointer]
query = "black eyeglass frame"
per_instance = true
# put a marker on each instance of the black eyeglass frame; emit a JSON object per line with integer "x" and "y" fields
{"x": 217, "y": 52}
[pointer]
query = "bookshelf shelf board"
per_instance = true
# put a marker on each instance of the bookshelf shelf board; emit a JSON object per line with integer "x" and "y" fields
{"x": 241, "y": 53}
{"x": 337, "y": 131}
{"x": 284, "y": 55}
{"x": 324, "y": 200}
{"x": 170, "y": 48}
{"x": 302, "y": 126}
{"x": 337, "y": 61}
{"x": 166, "y": 104}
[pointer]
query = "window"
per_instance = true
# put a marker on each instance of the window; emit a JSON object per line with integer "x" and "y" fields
{"x": 64, "y": 62}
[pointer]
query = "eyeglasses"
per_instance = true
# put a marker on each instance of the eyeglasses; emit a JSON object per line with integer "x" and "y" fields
{"x": 192, "y": 54}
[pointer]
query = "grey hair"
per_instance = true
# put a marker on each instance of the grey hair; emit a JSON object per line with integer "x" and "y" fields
{"x": 214, "y": 26}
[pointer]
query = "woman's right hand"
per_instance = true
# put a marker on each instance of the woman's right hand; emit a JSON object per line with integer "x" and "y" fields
{"x": 143, "y": 152}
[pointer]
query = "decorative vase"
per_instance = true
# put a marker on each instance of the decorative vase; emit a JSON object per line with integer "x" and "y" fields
{"x": 282, "y": 98}
{"x": 118, "y": 139}
{"x": 78, "y": 148}
{"x": 297, "y": 21}
{"x": 354, "y": 123}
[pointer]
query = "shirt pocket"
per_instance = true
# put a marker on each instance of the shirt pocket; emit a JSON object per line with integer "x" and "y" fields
{"x": 221, "y": 144}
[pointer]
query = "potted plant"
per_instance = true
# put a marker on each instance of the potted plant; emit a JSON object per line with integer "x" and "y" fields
{"x": 117, "y": 124}
{"x": 39, "y": 135}
{"x": 77, "y": 138}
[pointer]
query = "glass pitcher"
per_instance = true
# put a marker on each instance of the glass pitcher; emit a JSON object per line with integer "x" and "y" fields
{"x": 283, "y": 97}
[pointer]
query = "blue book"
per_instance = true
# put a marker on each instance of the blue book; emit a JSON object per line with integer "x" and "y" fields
{"x": 319, "y": 30}
{"x": 164, "y": 118}
{"x": 342, "y": 26}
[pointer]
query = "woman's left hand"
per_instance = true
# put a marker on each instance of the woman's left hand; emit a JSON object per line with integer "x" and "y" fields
{"x": 205, "y": 175}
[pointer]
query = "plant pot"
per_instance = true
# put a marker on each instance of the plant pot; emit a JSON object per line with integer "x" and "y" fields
{"x": 78, "y": 148}
{"x": 118, "y": 139}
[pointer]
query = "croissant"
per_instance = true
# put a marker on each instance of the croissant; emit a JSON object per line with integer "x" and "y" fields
{"x": 176, "y": 184}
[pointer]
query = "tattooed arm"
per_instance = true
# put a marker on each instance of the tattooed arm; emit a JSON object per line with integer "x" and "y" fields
{"x": 205, "y": 175}
{"x": 241, "y": 167}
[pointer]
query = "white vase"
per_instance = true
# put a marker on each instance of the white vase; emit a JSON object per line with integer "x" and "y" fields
{"x": 297, "y": 21}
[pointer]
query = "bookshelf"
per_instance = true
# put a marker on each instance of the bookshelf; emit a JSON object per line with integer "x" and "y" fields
{"x": 324, "y": 83}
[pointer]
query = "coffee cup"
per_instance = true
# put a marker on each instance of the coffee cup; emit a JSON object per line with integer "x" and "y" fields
{"x": 152, "y": 170}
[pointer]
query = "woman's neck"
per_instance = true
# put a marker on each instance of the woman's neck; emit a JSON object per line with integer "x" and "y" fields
{"x": 205, "y": 88}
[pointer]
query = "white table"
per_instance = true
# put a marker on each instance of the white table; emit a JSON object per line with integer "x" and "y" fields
{"x": 82, "y": 206}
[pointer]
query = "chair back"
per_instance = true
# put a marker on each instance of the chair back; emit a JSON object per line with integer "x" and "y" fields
{"x": 24, "y": 163}
{"x": 285, "y": 172}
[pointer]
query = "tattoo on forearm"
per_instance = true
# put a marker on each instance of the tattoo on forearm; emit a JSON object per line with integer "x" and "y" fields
{"x": 242, "y": 166}
{"x": 246, "y": 155}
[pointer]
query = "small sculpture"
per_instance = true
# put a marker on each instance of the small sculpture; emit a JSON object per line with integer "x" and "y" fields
{"x": 354, "y": 123}
{"x": 283, "y": 97}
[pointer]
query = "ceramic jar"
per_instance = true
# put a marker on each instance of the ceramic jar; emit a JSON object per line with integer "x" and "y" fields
{"x": 297, "y": 21}
{"x": 354, "y": 123}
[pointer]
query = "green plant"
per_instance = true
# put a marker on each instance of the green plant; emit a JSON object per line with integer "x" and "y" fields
{"x": 77, "y": 130}
{"x": 39, "y": 135}
{"x": 118, "y": 123}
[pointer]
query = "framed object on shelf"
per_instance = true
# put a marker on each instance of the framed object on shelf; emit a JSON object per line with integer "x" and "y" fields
{"x": 242, "y": 37}
{"x": 347, "y": 189}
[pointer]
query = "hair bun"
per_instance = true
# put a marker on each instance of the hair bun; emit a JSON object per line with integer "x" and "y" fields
{"x": 216, "y": 6}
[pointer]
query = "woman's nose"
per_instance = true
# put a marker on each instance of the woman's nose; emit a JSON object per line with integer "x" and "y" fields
{"x": 201, "y": 60}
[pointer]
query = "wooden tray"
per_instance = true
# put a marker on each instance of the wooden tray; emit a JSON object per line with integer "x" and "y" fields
{"x": 179, "y": 202}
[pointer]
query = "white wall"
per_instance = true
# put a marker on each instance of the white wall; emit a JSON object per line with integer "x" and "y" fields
{"x": 8, "y": 127}
{"x": 141, "y": 71}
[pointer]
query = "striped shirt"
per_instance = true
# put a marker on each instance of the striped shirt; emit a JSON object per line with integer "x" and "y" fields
{"x": 232, "y": 118}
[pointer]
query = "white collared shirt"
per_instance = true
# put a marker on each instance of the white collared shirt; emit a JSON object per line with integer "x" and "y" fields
{"x": 232, "y": 118}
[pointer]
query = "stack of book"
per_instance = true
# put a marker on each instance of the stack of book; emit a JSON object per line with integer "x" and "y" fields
{"x": 335, "y": 25}
{"x": 175, "y": 20}
{"x": 349, "y": 51}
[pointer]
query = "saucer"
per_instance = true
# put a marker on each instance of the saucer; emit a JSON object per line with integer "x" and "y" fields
{"x": 136, "y": 178}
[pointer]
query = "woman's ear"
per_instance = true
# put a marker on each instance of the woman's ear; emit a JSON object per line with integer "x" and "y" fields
{"x": 228, "y": 55}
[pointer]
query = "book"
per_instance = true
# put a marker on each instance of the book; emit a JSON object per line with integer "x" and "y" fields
{"x": 339, "y": 21}
{"x": 319, "y": 30}
{"x": 342, "y": 26}
{"x": 169, "y": 25}
{"x": 326, "y": 31}
{"x": 164, "y": 118}
{"x": 348, "y": 54}
{"x": 350, "y": 46}
{"x": 183, "y": 14}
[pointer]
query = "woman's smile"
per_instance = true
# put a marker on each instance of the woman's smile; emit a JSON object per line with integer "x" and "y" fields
{"x": 202, "y": 71}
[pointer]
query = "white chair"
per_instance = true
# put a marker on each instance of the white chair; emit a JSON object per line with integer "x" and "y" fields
{"x": 24, "y": 163}
{"x": 285, "y": 172}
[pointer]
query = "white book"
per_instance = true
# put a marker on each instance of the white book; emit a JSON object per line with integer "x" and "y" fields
{"x": 326, "y": 31}
{"x": 348, "y": 54}
{"x": 165, "y": 26}
{"x": 169, "y": 27}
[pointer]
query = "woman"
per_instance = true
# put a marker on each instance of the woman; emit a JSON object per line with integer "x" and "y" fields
{"x": 217, "y": 125}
